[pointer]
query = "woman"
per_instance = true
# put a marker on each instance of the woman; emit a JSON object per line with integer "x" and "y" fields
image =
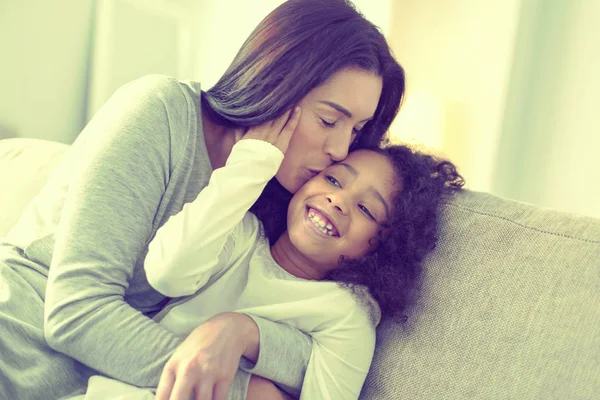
{"x": 78, "y": 301}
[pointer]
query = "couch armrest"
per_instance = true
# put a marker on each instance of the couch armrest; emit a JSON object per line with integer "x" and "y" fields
{"x": 25, "y": 165}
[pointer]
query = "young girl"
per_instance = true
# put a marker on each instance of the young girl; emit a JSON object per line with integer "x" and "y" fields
{"x": 356, "y": 235}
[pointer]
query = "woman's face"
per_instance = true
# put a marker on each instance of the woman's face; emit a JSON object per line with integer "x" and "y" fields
{"x": 332, "y": 115}
{"x": 338, "y": 211}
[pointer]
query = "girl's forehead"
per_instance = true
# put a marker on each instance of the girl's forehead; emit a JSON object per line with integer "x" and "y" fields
{"x": 368, "y": 159}
{"x": 372, "y": 167}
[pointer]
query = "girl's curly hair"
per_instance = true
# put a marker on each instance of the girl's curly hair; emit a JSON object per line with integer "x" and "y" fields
{"x": 392, "y": 272}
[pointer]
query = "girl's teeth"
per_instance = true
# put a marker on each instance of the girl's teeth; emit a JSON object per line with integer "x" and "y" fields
{"x": 320, "y": 224}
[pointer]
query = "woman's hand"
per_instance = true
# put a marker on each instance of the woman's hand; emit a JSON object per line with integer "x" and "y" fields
{"x": 205, "y": 364}
{"x": 279, "y": 131}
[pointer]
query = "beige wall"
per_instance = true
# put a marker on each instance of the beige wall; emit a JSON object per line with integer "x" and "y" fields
{"x": 457, "y": 55}
{"x": 220, "y": 32}
{"x": 43, "y": 69}
{"x": 133, "y": 38}
{"x": 574, "y": 178}
{"x": 551, "y": 136}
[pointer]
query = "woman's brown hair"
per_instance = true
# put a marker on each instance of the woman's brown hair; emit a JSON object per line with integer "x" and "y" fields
{"x": 296, "y": 48}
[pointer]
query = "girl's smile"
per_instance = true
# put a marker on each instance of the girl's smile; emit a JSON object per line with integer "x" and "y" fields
{"x": 320, "y": 223}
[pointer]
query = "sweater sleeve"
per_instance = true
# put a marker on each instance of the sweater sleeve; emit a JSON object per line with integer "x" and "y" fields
{"x": 119, "y": 174}
{"x": 190, "y": 246}
{"x": 283, "y": 357}
{"x": 340, "y": 360}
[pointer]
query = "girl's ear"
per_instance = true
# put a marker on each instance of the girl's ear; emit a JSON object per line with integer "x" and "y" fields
{"x": 382, "y": 235}
{"x": 385, "y": 232}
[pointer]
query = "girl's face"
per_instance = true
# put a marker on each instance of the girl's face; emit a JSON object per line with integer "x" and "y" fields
{"x": 332, "y": 116}
{"x": 338, "y": 211}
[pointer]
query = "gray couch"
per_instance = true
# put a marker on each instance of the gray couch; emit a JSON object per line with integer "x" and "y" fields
{"x": 510, "y": 309}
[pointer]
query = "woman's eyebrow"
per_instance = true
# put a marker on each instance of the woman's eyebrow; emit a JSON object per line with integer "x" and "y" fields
{"x": 371, "y": 189}
{"x": 341, "y": 109}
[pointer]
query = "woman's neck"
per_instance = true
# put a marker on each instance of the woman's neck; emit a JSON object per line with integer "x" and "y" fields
{"x": 289, "y": 258}
{"x": 219, "y": 140}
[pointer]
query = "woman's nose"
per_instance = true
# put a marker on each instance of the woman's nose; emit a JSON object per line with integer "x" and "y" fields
{"x": 338, "y": 144}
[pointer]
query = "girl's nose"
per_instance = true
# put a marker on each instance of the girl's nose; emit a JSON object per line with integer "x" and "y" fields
{"x": 337, "y": 203}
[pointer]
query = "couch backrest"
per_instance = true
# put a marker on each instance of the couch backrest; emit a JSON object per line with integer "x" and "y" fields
{"x": 25, "y": 165}
{"x": 510, "y": 309}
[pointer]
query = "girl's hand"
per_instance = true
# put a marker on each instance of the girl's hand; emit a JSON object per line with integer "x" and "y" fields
{"x": 205, "y": 364}
{"x": 278, "y": 132}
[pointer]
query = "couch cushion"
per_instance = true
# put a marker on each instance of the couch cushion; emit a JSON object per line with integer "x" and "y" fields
{"x": 510, "y": 309}
{"x": 25, "y": 165}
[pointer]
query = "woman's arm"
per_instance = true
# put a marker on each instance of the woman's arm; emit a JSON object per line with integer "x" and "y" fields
{"x": 120, "y": 169}
{"x": 287, "y": 357}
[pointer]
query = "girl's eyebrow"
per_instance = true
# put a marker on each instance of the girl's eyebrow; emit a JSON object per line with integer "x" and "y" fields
{"x": 371, "y": 189}
{"x": 341, "y": 109}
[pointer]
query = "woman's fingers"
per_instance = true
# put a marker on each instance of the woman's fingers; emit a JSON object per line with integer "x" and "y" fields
{"x": 205, "y": 361}
{"x": 221, "y": 390}
{"x": 202, "y": 391}
{"x": 165, "y": 385}
{"x": 185, "y": 386}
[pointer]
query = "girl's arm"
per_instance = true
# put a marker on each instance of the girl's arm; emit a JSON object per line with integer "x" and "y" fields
{"x": 190, "y": 246}
{"x": 340, "y": 359}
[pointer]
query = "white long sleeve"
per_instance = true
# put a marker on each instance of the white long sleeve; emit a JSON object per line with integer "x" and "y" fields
{"x": 191, "y": 244}
{"x": 340, "y": 360}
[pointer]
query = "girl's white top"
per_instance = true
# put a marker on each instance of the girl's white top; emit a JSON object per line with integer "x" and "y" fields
{"x": 214, "y": 249}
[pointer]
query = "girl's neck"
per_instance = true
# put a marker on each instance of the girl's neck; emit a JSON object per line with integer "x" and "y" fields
{"x": 219, "y": 140}
{"x": 294, "y": 262}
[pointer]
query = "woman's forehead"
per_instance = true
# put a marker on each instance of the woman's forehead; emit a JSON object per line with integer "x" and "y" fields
{"x": 355, "y": 90}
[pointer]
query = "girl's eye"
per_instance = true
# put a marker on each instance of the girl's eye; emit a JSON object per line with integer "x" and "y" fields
{"x": 332, "y": 180}
{"x": 367, "y": 212}
{"x": 328, "y": 124}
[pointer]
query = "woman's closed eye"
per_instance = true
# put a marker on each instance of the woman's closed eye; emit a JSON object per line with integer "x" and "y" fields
{"x": 327, "y": 123}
